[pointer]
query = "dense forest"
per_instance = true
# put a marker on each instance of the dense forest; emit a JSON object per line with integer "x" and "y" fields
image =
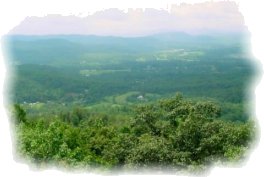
{"x": 173, "y": 133}
{"x": 109, "y": 102}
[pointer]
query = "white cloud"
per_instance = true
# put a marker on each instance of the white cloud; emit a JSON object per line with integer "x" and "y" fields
{"x": 196, "y": 18}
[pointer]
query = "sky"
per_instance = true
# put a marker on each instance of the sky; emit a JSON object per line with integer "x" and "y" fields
{"x": 200, "y": 18}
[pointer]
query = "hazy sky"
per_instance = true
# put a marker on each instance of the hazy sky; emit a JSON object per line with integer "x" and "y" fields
{"x": 201, "y": 18}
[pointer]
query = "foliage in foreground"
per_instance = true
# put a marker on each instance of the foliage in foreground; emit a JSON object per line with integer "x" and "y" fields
{"x": 175, "y": 133}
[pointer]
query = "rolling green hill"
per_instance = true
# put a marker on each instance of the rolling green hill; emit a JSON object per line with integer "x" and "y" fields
{"x": 110, "y": 101}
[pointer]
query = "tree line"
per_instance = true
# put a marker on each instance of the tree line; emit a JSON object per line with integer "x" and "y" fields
{"x": 174, "y": 133}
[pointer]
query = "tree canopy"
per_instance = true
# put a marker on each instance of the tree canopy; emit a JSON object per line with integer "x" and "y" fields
{"x": 176, "y": 133}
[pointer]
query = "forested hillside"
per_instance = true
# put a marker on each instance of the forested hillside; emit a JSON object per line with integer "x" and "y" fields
{"x": 174, "y": 134}
{"x": 109, "y": 102}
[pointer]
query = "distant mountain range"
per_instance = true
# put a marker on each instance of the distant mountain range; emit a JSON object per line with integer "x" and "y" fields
{"x": 180, "y": 38}
{"x": 47, "y": 48}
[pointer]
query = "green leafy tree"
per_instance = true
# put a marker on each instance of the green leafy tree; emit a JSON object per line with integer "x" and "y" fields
{"x": 19, "y": 114}
{"x": 176, "y": 133}
{"x": 150, "y": 151}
